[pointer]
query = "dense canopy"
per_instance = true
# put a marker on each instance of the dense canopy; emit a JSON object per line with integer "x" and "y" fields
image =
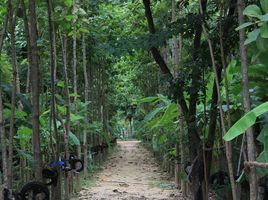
{"x": 187, "y": 78}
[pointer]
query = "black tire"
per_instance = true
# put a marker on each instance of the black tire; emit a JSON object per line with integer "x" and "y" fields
{"x": 77, "y": 164}
{"x": 32, "y": 189}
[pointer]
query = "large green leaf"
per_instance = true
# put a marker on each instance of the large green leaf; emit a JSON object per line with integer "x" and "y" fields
{"x": 152, "y": 123}
{"x": 152, "y": 114}
{"x": 252, "y": 36}
{"x": 264, "y": 30}
{"x": 252, "y": 11}
{"x": 147, "y": 100}
{"x": 73, "y": 139}
{"x": 263, "y": 18}
{"x": 264, "y": 5}
{"x": 245, "y": 122}
{"x": 169, "y": 116}
{"x": 262, "y": 44}
{"x": 244, "y": 25}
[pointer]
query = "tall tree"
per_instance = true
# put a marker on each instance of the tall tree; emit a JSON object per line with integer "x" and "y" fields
{"x": 68, "y": 110}
{"x": 2, "y": 126}
{"x": 189, "y": 112}
{"x": 246, "y": 101}
{"x": 35, "y": 85}
{"x": 12, "y": 25}
{"x": 213, "y": 113}
{"x": 53, "y": 69}
{"x": 87, "y": 92}
{"x": 227, "y": 145}
{"x": 175, "y": 53}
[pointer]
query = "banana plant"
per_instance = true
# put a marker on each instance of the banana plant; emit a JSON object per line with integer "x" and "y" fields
{"x": 163, "y": 115}
{"x": 246, "y": 122}
{"x": 159, "y": 125}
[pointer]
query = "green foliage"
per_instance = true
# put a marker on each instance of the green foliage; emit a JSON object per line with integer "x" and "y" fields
{"x": 264, "y": 5}
{"x": 163, "y": 115}
{"x": 5, "y": 69}
{"x": 263, "y": 157}
{"x": 171, "y": 113}
{"x": 256, "y": 14}
{"x": 252, "y": 36}
{"x": 252, "y": 11}
{"x": 122, "y": 71}
{"x": 245, "y": 122}
{"x": 73, "y": 139}
{"x": 24, "y": 134}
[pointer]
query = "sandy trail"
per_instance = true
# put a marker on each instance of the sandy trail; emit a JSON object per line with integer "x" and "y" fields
{"x": 130, "y": 173}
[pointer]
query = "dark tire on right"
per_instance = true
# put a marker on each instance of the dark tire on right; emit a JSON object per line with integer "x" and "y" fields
{"x": 34, "y": 189}
{"x": 77, "y": 164}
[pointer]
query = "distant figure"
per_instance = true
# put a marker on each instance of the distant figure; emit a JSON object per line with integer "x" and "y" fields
{"x": 124, "y": 133}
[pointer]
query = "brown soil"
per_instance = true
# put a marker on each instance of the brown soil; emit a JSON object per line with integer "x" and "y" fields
{"x": 130, "y": 173}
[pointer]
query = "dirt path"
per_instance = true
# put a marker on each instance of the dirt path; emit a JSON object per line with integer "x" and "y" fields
{"x": 131, "y": 173}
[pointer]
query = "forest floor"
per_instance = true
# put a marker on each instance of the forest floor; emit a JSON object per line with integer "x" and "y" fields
{"x": 131, "y": 173}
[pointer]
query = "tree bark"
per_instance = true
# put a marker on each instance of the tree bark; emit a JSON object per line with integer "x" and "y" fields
{"x": 227, "y": 144}
{"x": 68, "y": 111}
{"x": 156, "y": 54}
{"x": 246, "y": 101}
{"x": 56, "y": 191}
{"x": 12, "y": 24}
{"x": 197, "y": 172}
{"x": 2, "y": 126}
{"x": 85, "y": 143}
{"x": 3, "y": 145}
{"x": 26, "y": 27}
{"x": 182, "y": 121}
{"x": 35, "y": 83}
{"x": 76, "y": 176}
{"x": 214, "y": 98}
{"x": 175, "y": 53}
{"x": 4, "y": 29}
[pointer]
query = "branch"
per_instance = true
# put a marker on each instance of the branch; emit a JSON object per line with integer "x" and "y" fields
{"x": 256, "y": 164}
{"x": 155, "y": 52}
{"x": 3, "y": 32}
{"x": 176, "y": 87}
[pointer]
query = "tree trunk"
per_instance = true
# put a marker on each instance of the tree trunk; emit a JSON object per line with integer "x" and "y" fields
{"x": 2, "y": 126}
{"x": 85, "y": 143}
{"x": 182, "y": 131}
{"x": 56, "y": 191}
{"x": 195, "y": 155}
{"x": 4, "y": 29}
{"x": 246, "y": 101}
{"x": 175, "y": 54}
{"x": 68, "y": 104}
{"x": 3, "y": 145}
{"x": 35, "y": 83}
{"x": 76, "y": 176}
{"x": 214, "y": 98}
{"x": 26, "y": 27}
{"x": 227, "y": 144}
{"x": 12, "y": 24}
